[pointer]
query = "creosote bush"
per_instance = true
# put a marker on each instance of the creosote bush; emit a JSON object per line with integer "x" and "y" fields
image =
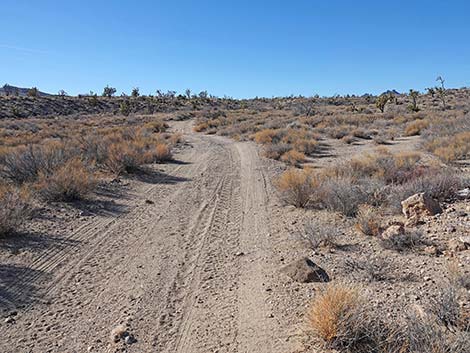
{"x": 297, "y": 187}
{"x": 70, "y": 182}
{"x": 15, "y": 208}
{"x": 318, "y": 234}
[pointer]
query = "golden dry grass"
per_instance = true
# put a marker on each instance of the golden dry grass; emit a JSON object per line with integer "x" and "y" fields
{"x": 331, "y": 310}
{"x": 72, "y": 181}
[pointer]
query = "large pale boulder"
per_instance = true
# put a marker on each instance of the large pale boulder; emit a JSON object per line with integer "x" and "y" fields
{"x": 418, "y": 206}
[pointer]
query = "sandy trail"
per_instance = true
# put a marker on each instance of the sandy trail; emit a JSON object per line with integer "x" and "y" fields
{"x": 190, "y": 272}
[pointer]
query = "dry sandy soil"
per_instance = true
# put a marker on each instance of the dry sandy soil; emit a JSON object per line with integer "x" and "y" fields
{"x": 185, "y": 260}
{"x": 186, "y": 257}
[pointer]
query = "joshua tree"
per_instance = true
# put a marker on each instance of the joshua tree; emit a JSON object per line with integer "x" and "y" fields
{"x": 203, "y": 95}
{"x": 188, "y": 93}
{"x": 33, "y": 92}
{"x": 431, "y": 91}
{"x": 308, "y": 106}
{"x": 135, "y": 92}
{"x": 125, "y": 108}
{"x": 62, "y": 93}
{"x": 7, "y": 89}
{"x": 414, "y": 100}
{"x": 109, "y": 91}
{"x": 381, "y": 101}
{"x": 441, "y": 92}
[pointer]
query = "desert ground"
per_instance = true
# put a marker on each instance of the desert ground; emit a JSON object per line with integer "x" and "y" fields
{"x": 203, "y": 225}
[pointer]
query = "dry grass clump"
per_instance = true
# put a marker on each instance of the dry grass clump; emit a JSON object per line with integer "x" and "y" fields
{"x": 162, "y": 153}
{"x": 72, "y": 181}
{"x": 318, "y": 234}
{"x": 291, "y": 145}
{"x": 376, "y": 180}
{"x": 15, "y": 208}
{"x": 293, "y": 157}
{"x": 456, "y": 148}
{"x": 124, "y": 157}
{"x": 368, "y": 220}
{"x": 332, "y": 314}
{"x": 157, "y": 126}
{"x": 407, "y": 240}
{"x": 341, "y": 319}
{"x": 457, "y": 277}
{"x": 415, "y": 127}
{"x": 449, "y": 139}
{"x": 297, "y": 187}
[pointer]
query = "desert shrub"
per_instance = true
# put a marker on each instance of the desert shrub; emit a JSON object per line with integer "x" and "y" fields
{"x": 202, "y": 126}
{"x": 457, "y": 277}
{"x": 343, "y": 195}
{"x": 373, "y": 269}
{"x": 449, "y": 139}
{"x": 276, "y": 151}
{"x": 383, "y": 165}
{"x": 125, "y": 107}
{"x": 341, "y": 319}
{"x": 293, "y": 157}
{"x": 15, "y": 208}
{"x": 402, "y": 241}
{"x": 319, "y": 234}
{"x": 72, "y": 181}
{"x": 368, "y": 220}
{"x": 339, "y": 132}
{"x": 361, "y": 133}
{"x": 162, "y": 153}
{"x": 331, "y": 313}
{"x": 94, "y": 148}
{"x": 123, "y": 157}
{"x": 415, "y": 127}
{"x": 157, "y": 126}
{"x": 297, "y": 187}
{"x": 266, "y": 136}
{"x": 348, "y": 139}
{"x": 446, "y": 308}
{"x": 423, "y": 334}
{"x": 440, "y": 185}
{"x": 24, "y": 164}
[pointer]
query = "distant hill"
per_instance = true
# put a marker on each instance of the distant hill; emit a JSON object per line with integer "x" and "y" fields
{"x": 393, "y": 91}
{"x": 19, "y": 91}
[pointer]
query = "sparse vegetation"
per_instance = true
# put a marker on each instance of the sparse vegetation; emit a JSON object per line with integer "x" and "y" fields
{"x": 15, "y": 208}
{"x": 69, "y": 182}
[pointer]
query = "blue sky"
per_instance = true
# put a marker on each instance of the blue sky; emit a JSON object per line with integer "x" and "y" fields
{"x": 235, "y": 48}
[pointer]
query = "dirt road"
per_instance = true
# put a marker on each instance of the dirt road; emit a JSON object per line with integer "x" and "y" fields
{"x": 189, "y": 270}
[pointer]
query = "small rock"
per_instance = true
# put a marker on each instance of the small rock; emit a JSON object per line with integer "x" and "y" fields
{"x": 9, "y": 320}
{"x": 465, "y": 239}
{"x": 455, "y": 245}
{"x": 393, "y": 231}
{"x": 118, "y": 332}
{"x": 149, "y": 202}
{"x": 305, "y": 271}
{"x": 431, "y": 250}
{"x": 240, "y": 253}
{"x": 464, "y": 193}
{"x": 129, "y": 339}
